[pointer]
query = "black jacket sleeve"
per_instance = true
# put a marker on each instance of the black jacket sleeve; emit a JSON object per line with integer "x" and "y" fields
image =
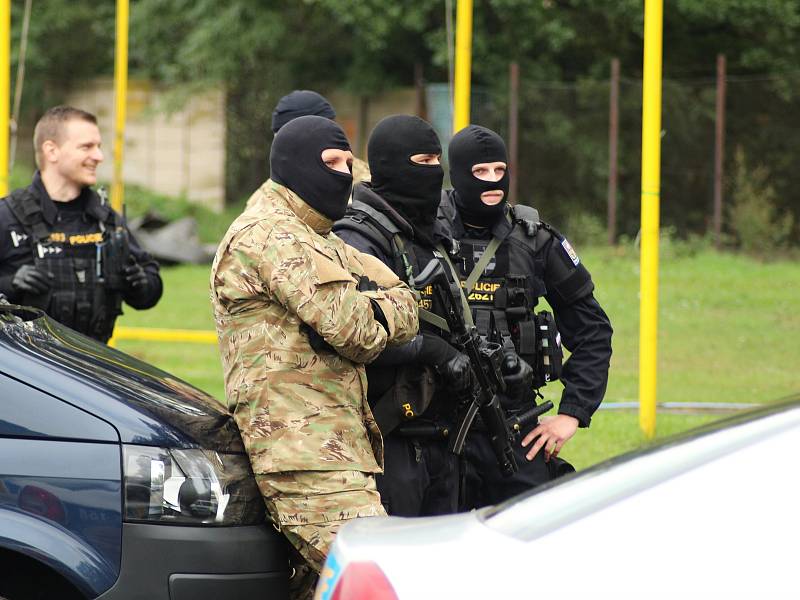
{"x": 144, "y": 296}
{"x": 11, "y": 258}
{"x": 585, "y": 331}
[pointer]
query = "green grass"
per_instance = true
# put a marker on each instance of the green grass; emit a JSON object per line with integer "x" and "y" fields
{"x": 728, "y": 332}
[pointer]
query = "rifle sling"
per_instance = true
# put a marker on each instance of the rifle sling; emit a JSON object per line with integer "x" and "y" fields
{"x": 473, "y": 277}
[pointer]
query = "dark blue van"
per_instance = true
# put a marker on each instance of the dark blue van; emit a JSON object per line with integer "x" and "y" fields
{"x": 119, "y": 481}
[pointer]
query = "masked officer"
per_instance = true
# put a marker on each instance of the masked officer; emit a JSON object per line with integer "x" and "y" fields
{"x": 62, "y": 248}
{"x": 509, "y": 259}
{"x": 301, "y": 103}
{"x": 410, "y": 387}
{"x": 308, "y": 102}
{"x": 297, "y": 313}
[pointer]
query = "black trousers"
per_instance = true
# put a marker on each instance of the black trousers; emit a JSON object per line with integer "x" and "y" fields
{"x": 420, "y": 477}
{"x": 483, "y": 484}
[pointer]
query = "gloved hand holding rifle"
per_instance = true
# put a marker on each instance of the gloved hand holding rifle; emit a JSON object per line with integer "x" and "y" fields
{"x": 485, "y": 359}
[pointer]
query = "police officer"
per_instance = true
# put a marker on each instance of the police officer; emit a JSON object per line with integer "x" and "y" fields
{"x": 524, "y": 259}
{"x": 298, "y": 313}
{"x": 303, "y": 103}
{"x": 410, "y": 387}
{"x": 62, "y": 248}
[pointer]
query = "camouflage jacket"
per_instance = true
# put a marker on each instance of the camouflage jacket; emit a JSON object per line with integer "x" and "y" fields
{"x": 277, "y": 268}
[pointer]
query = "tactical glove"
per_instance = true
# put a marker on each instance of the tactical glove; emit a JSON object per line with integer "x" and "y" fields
{"x": 377, "y": 312}
{"x": 135, "y": 276}
{"x": 31, "y": 280}
{"x": 317, "y": 342}
{"x": 457, "y": 372}
{"x": 365, "y": 284}
{"x": 517, "y": 375}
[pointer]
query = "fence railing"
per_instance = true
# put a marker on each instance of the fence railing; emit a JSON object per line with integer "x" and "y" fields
{"x": 148, "y": 334}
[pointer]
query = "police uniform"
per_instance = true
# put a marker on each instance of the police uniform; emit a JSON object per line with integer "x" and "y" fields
{"x": 420, "y": 474}
{"x": 533, "y": 261}
{"x": 280, "y": 279}
{"x": 83, "y": 244}
{"x": 394, "y": 219}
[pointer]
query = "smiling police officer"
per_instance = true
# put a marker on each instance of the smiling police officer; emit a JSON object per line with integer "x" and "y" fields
{"x": 62, "y": 248}
{"x": 510, "y": 259}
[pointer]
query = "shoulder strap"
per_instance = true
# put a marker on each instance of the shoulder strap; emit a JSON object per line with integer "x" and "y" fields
{"x": 528, "y": 217}
{"x": 376, "y": 215}
{"x": 464, "y": 302}
{"x": 28, "y": 211}
{"x": 490, "y": 251}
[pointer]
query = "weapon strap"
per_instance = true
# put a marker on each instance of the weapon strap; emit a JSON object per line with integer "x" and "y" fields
{"x": 487, "y": 255}
{"x": 464, "y": 303}
{"x": 473, "y": 277}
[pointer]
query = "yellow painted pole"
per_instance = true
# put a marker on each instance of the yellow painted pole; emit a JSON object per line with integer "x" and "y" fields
{"x": 120, "y": 102}
{"x": 651, "y": 193}
{"x": 463, "y": 65}
{"x": 5, "y": 91}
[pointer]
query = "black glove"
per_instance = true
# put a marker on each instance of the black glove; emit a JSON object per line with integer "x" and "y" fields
{"x": 134, "y": 274}
{"x": 31, "y": 280}
{"x": 517, "y": 375}
{"x": 365, "y": 284}
{"x": 377, "y": 312}
{"x": 457, "y": 372}
{"x": 317, "y": 342}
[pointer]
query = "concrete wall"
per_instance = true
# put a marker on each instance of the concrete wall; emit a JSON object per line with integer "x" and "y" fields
{"x": 178, "y": 153}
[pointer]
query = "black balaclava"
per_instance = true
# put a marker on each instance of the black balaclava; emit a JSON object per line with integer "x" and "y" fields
{"x": 300, "y": 103}
{"x": 295, "y": 161}
{"x": 412, "y": 189}
{"x": 470, "y": 146}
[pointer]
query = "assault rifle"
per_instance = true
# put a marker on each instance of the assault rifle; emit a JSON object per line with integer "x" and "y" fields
{"x": 485, "y": 358}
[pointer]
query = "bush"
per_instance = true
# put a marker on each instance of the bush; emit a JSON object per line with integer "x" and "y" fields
{"x": 585, "y": 229}
{"x": 754, "y": 221}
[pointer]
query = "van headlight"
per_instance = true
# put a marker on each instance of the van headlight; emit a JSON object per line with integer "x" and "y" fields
{"x": 190, "y": 487}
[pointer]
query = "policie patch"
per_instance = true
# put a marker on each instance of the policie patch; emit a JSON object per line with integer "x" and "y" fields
{"x": 573, "y": 256}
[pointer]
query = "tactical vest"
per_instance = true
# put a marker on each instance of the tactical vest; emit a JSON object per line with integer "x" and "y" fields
{"x": 413, "y": 387}
{"x": 85, "y": 294}
{"x": 506, "y": 293}
{"x": 381, "y": 231}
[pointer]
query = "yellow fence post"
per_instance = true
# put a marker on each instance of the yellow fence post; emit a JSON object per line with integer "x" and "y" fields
{"x": 5, "y": 90}
{"x": 120, "y": 102}
{"x": 651, "y": 193}
{"x": 463, "y": 65}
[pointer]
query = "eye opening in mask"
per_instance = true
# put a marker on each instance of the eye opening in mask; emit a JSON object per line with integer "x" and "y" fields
{"x": 491, "y": 171}
{"x": 426, "y": 159}
{"x": 337, "y": 160}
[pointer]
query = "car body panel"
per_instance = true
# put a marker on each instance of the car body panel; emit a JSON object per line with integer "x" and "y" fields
{"x": 60, "y": 503}
{"x": 149, "y": 407}
{"x": 709, "y": 514}
{"x": 67, "y": 403}
{"x": 31, "y": 413}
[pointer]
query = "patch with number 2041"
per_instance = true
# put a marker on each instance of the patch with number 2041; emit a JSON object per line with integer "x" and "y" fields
{"x": 570, "y": 252}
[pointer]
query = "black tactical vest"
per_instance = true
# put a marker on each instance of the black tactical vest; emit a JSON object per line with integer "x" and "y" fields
{"x": 407, "y": 257}
{"x": 506, "y": 293}
{"x": 85, "y": 294}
